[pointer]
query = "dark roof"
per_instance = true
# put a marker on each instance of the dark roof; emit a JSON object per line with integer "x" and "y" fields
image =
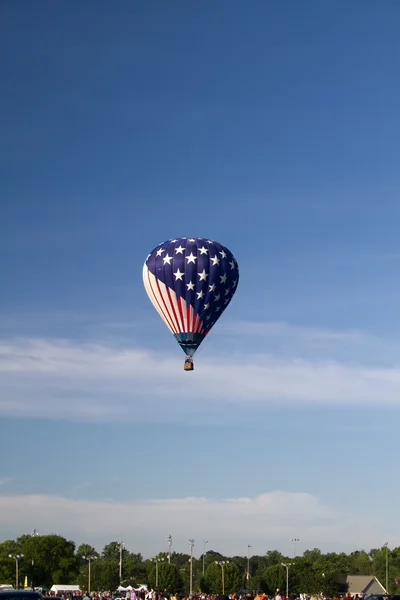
{"x": 21, "y": 593}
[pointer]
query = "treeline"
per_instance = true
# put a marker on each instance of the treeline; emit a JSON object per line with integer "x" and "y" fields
{"x": 51, "y": 559}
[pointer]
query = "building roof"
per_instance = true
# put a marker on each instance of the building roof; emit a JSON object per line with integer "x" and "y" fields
{"x": 357, "y": 584}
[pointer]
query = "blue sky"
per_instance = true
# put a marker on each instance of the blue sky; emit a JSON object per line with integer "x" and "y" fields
{"x": 273, "y": 128}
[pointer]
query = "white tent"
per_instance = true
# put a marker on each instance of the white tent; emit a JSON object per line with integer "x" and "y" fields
{"x": 65, "y": 588}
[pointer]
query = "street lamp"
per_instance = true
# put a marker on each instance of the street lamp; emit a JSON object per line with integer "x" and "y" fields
{"x": 204, "y": 554}
{"x": 89, "y": 559}
{"x": 121, "y": 549}
{"x": 169, "y": 540}
{"x": 222, "y": 564}
{"x": 157, "y": 560}
{"x": 387, "y": 568}
{"x": 287, "y": 565}
{"x": 34, "y": 533}
{"x": 294, "y": 540}
{"x": 191, "y": 544}
{"x": 16, "y": 557}
{"x": 248, "y": 561}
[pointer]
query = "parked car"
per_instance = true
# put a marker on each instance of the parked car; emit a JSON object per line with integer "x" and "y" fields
{"x": 20, "y": 595}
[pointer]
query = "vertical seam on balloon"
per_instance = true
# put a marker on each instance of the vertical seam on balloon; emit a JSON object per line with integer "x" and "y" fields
{"x": 187, "y": 316}
{"x": 154, "y": 300}
{"x": 180, "y": 312}
{"x": 165, "y": 306}
{"x": 173, "y": 308}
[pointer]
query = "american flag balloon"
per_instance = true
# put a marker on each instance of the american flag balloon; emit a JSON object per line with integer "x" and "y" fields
{"x": 190, "y": 282}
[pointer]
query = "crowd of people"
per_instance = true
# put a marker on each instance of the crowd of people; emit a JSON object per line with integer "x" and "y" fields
{"x": 145, "y": 594}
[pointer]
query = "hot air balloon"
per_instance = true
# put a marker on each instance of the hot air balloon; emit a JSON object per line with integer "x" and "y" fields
{"x": 190, "y": 282}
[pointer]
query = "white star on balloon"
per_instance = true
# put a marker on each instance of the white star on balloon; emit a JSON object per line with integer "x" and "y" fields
{"x": 178, "y": 275}
{"x": 203, "y": 275}
{"x": 191, "y": 258}
{"x": 167, "y": 259}
{"x": 191, "y": 240}
{"x": 215, "y": 260}
{"x": 232, "y": 263}
{"x": 203, "y": 250}
{"x": 206, "y": 306}
{"x": 160, "y": 251}
{"x": 212, "y": 287}
{"x": 200, "y": 295}
{"x": 223, "y": 254}
{"x": 223, "y": 278}
{"x": 179, "y": 250}
{"x": 190, "y": 285}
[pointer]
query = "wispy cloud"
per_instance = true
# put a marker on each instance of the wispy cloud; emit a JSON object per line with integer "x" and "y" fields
{"x": 268, "y": 520}
{"x": 5, "y": 480}
{"x": 280, "y": 329}
{"x": 58, "y": 378}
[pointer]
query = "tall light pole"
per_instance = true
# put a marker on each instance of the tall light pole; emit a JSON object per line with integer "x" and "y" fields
{"x": 89, "y": 559}
{"x": 34, "y": 533}
{"x": 191, "y": 544}
{"x": 287, "y": 565}
{"x": 169, "y": 540}
{"x": 294, "y": 540}
{"x": 222, "y": 564}
{"x": 204, "y": 555}
{"x": 248, "y": 561}
{"x": 121, "y": 549}
{"x": 157, "y": 560}
{"x": 16, "y": 557}
{"x": 387, "y": 568}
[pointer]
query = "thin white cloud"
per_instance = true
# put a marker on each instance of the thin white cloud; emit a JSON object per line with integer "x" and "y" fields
{"x": 280, "y": 329}
{"x": 268, "y": 520}
{"x": 66, "y": 379}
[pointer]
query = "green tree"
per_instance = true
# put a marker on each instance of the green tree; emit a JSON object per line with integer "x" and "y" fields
{"x": 112, "y": 551}
{"x": 169, "y": 578}
{"x": 274, "y": 577}
{"x": 213, "y": 578}
{"x": 104, "y": 576}
{"x": 47, "y": 559}
{"x": 134, "y": 568}
{"x": 257, "y": 582}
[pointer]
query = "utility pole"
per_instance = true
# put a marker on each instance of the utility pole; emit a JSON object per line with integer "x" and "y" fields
{"x": 34, "y": 533}
{"x": 121, "y": 549}
{"x": 157, "y": 560}
{"x": 287, "y": 565}
{"x": 387, "y": 568}
{"x": 191, "y": 544}
{"x": 169, "y": 540}
{"x": 204, "y": 555}
{"x": 16, "y": 557}
{"x": 222, "y": 564}
{"x": 248, "y": 562}
{"x": 89, "y": 559}
{"x": 294, "y": 540}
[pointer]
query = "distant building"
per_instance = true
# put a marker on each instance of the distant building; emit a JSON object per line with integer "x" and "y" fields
{"x": 359, "y": 584}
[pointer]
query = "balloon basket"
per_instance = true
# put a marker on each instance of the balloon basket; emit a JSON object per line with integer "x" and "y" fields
{"x": 188, "y": 366}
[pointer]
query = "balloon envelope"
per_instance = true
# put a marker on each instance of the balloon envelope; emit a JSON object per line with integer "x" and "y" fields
{"x": 190, "y": 282}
